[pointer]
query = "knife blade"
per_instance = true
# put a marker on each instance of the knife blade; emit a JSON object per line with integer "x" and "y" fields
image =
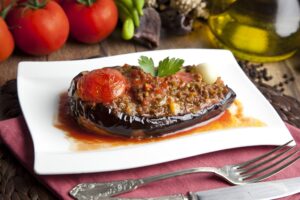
{"x": 257, "y": 191}
{"x": 254, "y": 191}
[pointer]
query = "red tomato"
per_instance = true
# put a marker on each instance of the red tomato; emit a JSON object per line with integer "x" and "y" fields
{"x": 184, "y": 76}
{"x": 91, "y": 24}
{"x": 58, "y": 1}
{"x": 39, "y": 31}
{"x": 102, "y": 85}
{"x": 7, "y": 42}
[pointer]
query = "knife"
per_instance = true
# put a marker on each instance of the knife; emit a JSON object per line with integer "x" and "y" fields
{"x": 253, "y": 191}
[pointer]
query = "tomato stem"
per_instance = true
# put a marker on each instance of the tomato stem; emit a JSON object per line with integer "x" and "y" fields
{"x": 86, "y": 2}
{"x": 6, "y": 9}
{"x": 35, "y": 4}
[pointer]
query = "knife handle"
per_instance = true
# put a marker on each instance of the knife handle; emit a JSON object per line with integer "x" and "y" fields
{"x": 109, "y": 189}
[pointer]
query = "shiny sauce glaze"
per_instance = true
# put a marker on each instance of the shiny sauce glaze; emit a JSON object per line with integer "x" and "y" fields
{"x": 85, "y": 140}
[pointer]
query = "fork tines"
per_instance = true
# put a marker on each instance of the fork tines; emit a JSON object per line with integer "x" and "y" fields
{"x": 268, "y": 164}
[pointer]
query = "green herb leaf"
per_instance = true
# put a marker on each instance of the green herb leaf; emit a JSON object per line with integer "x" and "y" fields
{"x": 168, "y": 66}
{"x": 147, "y": 65}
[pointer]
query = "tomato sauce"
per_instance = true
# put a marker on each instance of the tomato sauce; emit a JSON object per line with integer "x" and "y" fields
{"x": 84, "y": 140}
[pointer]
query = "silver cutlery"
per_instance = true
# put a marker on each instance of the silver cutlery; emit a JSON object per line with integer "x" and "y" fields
{"x": 251, "y": 171}
{"x": 253, "y": 191}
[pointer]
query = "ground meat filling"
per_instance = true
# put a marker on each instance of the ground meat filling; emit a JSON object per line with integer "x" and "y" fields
{"x": 179, "y": 94}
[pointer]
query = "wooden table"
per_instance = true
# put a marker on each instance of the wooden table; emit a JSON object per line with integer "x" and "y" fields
{"x": 16, "y": 183}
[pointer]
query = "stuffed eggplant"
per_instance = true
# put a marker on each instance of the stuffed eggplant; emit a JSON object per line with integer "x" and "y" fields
{"x": 127, "y": 101}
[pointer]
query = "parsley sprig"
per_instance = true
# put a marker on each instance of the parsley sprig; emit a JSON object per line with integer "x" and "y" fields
{"x": 147, "y": 65}
{"x": 166, "y": 67}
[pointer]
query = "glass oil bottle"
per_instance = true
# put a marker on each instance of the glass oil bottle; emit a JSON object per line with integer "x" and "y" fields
{"x": 256, "y": 30}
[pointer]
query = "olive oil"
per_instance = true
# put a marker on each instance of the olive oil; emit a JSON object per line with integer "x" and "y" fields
{"x": 258, "y": 30}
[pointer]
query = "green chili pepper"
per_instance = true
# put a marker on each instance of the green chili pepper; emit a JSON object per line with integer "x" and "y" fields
{"x": 139, "y": 4}
{"x": 128, "y": 29}
{"x": 123, "y": 9}
{"x": 127, "y": 3}
{"x": 136, "y": 17}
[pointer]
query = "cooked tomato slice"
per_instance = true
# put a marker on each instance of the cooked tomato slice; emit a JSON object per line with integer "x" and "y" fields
{"x": 101, "y": 85}
{"x": 184, "y": 76}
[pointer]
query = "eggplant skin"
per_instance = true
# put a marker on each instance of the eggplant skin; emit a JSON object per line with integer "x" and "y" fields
{"x": 103, "y": 120}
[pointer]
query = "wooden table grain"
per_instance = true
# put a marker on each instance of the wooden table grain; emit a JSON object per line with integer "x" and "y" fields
{"x": 24, "y": 186}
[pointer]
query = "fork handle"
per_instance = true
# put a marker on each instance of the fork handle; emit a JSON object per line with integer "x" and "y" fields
{"x": 108, "y": 189}
{"x": 151, "y": 179}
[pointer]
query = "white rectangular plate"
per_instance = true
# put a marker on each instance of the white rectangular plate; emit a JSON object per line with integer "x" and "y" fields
{"x": 41, "y": 83}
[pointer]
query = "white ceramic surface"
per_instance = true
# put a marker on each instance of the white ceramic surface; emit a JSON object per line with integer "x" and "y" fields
{"x": 41, "y": 83}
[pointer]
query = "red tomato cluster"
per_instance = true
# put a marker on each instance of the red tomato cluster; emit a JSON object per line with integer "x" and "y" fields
{"x": 40, "y": 27}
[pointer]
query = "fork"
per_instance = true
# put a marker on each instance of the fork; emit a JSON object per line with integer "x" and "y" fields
{"x": 251, "y": 171}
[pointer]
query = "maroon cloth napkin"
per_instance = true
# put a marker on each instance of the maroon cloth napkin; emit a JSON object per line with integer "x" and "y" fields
{"x": 15, "y": 135}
